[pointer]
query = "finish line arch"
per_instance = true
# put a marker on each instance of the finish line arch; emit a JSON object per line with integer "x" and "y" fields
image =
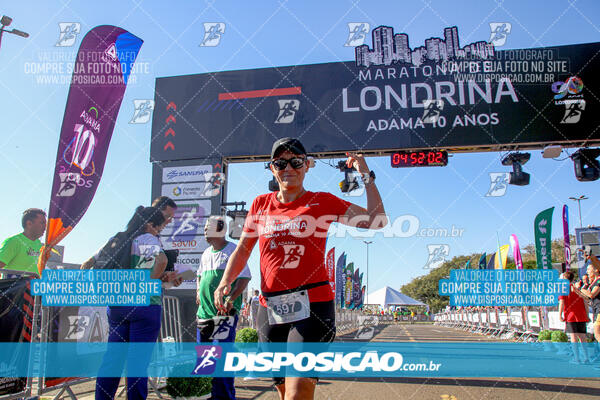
{"x": 491, "y": 101}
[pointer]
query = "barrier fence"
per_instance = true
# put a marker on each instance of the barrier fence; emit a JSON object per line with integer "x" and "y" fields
{"x": 517, "y": 323}
{"x": 38, "y": 324}
{"x": 30, "y": 321}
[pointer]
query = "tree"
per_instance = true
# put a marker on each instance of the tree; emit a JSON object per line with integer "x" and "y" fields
{"x": 425, "y": 288}
{"x": 558, "y": 251}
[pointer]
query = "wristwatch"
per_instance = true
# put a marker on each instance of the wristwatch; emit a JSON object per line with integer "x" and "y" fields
{"x": 368, "y": 178}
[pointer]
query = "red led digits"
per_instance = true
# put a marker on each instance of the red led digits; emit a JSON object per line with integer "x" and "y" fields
{"x": 425, "y": 158}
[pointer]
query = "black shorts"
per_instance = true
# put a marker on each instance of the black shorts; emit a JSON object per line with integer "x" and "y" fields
{"x": 319, "y": 327}
{"x": 576, "y": 327}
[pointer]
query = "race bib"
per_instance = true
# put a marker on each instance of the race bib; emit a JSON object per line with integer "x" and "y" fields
{"x": 287, "y": 308}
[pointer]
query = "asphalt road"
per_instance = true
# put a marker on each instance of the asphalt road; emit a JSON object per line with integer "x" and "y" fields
{"x": 420, "y": 388}
{"x": 436, "y": 388}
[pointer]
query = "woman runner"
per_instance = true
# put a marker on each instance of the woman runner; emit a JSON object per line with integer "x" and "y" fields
{"x": 291, "y": 228}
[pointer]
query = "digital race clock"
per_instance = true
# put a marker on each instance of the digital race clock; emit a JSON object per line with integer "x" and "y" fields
{"x": 424, "y": 158}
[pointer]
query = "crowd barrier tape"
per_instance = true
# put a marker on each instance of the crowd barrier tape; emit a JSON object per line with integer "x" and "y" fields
{"x": 85, "y": 326}
{"x": 519, "y": 323}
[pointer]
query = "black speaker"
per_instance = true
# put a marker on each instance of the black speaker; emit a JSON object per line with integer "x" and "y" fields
{"x": 586, "y": 166}
{"x": 518, "y": 177}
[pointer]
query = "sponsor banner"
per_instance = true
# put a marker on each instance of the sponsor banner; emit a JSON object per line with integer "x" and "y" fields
{"x": 516, "y": 318}
{"x": 533, "y": 318}
{"x": 187, "y": 244}
{"x": 189, "y": 220}
{"x": 102, "y": 68}
{"x": 542, "y": 228}
{"x": 187, "y": 262}
{"x": 554, "y": 321}
{"x": 437, "y": 94}
{"x": 340, "y": 359}
{"x": 192, "y": 173}
{"x": 198, "y": 190}
{"x": 589, "y": 236}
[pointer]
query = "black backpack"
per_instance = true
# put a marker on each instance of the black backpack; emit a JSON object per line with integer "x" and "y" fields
{"x": 116, "y": 253}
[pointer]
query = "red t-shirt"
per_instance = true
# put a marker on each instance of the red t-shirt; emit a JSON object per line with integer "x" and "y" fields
{"x": 574, "y": 308}
{"x": 292, "y": 240}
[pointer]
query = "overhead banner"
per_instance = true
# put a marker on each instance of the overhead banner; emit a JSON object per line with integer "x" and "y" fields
{"x": 443, "y": 93}
{"x": 102, "y": 68}
{"x": 542, "y": 227}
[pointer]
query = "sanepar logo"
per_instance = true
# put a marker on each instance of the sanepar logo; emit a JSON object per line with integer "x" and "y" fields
{"x": 175, "y": 174}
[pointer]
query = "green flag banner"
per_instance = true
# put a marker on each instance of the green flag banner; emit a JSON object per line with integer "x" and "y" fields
{"x": 542, "y": 228}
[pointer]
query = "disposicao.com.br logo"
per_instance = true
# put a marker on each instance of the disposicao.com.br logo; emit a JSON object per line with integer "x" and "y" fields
{"x": 370, "y": 361}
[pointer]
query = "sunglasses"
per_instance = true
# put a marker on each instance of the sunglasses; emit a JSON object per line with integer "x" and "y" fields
{"x": 280, "y": 164}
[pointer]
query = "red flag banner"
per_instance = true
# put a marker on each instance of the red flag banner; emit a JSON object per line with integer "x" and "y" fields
{"x": 330, "y": 263}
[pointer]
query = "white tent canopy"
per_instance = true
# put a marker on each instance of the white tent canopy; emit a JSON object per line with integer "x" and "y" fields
{"x": 387, "y": 296}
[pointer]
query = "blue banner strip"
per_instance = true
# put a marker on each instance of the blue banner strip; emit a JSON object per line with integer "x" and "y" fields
{"x": 338, "y": 359}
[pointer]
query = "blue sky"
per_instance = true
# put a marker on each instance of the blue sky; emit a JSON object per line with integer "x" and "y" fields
{"x": 268, "y": 34}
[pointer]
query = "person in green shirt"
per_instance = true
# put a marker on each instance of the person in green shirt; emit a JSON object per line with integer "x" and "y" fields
{"x": 20, "y": 252}
{"x": 213, "y": 325}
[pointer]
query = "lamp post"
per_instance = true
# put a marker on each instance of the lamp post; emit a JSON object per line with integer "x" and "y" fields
{"x": 6, "y": 21}
{"x": 578, "y": 200}
{"x": 367, "y": 291}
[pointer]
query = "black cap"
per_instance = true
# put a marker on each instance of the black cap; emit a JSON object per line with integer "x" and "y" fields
{"x": 287, "y": 144}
